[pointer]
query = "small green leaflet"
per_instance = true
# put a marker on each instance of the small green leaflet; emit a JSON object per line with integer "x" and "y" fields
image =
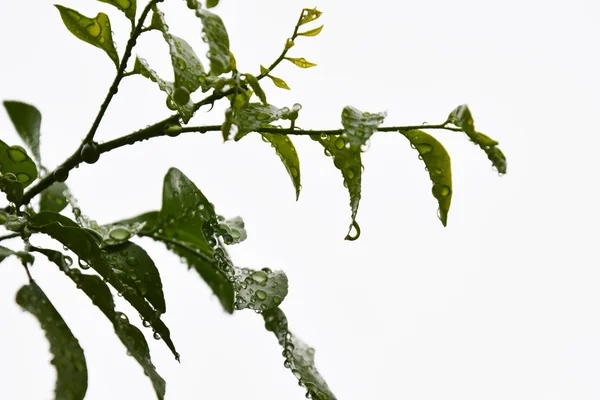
{"x": 127, "y": 6}
{"x": 95, "y": 31}
{"x": 53, "y": 198}
{"x": 253, "y": 82}
{"x": 359, "y": 126}
{"x": 27, "y": 121}
{"x": 280, "y": 83}
{"x": 99, "y": 293}
{"x": 309, "y": 15}
{"x": 25, "y": 257}
{"x": 69, "y": 359}
{"x": 301, "y": 62}
{"x": 258, "y": 115}
{"x": 299, "y": 357}
{"x": 437, "y": 162}
{"x": 10, "y": 185}
{"x": 215, "y": 34}
{"x": 15, "y": 160}
{"x": 312, "y": 32}
{"x": 347, "y": 159}
{"x": 289, "y": 156}
{"x": 461, "y": 117}
{"x": 212, "y": 3}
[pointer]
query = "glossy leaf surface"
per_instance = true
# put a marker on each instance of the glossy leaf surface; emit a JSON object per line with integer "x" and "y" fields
{"x": 289, "y": 156}
{"x": 359, "y": 125}
{"x": 253, "y": 82}
{"x": 27, "y": 121}
{"x": 215, "y": 35}
{"x": 10, "y": 185}
{"x": 301, "y": 62}
{"x": 53, "y": 198}
{"x": 127, "y": 6}
{"x": 258, "y": 115}
{"x": 15, "y": 160}
{"x": 259, "y": 289}
{"x": 280, "y": 83}
{"x": 312, "y": 32}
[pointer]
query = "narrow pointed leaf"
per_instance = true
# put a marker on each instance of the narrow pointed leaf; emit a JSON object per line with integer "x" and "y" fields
{"x": 280, "y": 83}
{"x": 215, "y": 34}
{"x": 69, "y": 359}
{"x": 257, "y": 115}
{"x": 127, "y": 6}
{"x": 312, "y": 32}
{"x": 53, "y": 198}
{"x": 299, "y": 357}
{"x": 95, "y": 31}
{"x": 253, "y": 82}
{"x": 437, "y": 162}
{"x": 259, "y": 290}
{"x": 347, "y": 159}
{"x": 359, "y": 126}
{"x": 10, "y": 185}
{"x": 309, "y": 15}
{"x": 27, "y": 121}
{"x": 25, "y": 257}
{"x": 301, "y": 62}
{"x": 15, "y": 160}
{"x": 289, "y": 156}
{"x": 263, "y": 70}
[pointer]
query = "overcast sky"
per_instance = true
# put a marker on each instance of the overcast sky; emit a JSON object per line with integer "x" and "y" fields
{"x": 501, "y": 304}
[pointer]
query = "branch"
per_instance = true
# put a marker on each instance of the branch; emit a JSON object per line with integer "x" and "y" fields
{"x": 9, "y": 236}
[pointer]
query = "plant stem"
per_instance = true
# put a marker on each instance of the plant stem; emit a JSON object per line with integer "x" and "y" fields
{"x": 9, "y": 236}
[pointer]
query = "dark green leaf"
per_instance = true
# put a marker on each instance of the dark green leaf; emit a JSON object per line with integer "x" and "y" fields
{"x": 437, "y": 162}
{"x": 27, "y": 121}
{"x": 211, "y": 3}
{"x": 127, "y": 6}
{"x": 259, "y": 290}
{"x": 309, "y": 15}
{"x": 53, "y": 198}
{"x": 301, "y": 62}
{"x": 253, "y": 82}
{"x": 257, "y": 115}
{"x": 25, "y": 257}
{"x": 347, "y": 159}
{"x": 69, "y": 359}
{"x": 461, "y": 117}
{"x": 15, "y": 160}
{"x": 10, "y": 185}
{"x": 287, "y": 152}
{"x": 217, "y": 38}
{"x": 299, "y": 357}
{"x": 359, "y": 126}
{"x": 95, "y": 31}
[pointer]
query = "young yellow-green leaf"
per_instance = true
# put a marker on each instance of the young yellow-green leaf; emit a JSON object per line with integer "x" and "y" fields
{"x": 301, "y": 62}
{"x": 53, "y": 198}
{"x": 99, "y": 293}
{"x": 259, "y": 290}
{"x": 95, "y": 31}
{"x": 127, "y": 6}
{"x": 186, "y": 111}
{"x": 437, "y": 162}
{"x": 27, "y": 121}
{"x": 461, "y": 117}
{"x": 312, "y": 32}
{"x": 263, "y": 70}
{"x": 347, "y": 159}
{"x": 215, "y": 34}
{"x": 10, "y": 185}
{"x": 15, "y": 160}
{"x": 25, "y": 257}
{"x": 299, "y": 357}
{"x": 69, "y": 359}
{"x": 287, "y": 152}
{"x": 359, "y": 126}
{"x": 280, "y": 83}
{"x": 253, "y": 82}
{"x": 309, "y": 15}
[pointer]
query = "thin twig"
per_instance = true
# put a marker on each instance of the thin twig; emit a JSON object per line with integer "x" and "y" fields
{"x": 9, "y": 236}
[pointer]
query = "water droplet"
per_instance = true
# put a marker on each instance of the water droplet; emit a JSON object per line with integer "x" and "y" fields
{"x": 438, "y": 171}
{"x": 156, "y": 335}
{"x": 121, "y": 316}
{"x": 349, "y": 174}
{"x": 327, "y": 152}
{"x": 68, "y": 261}
{"x": 23, "y": 178}
{"x": 120, "y": 234}
{"x": 340, "y": 143}
{"x": 277, "y": 300}
{"x": 131, "y": 261}
{"x": 424, "y": 148}
{"x": 261, "y": 294}
{"x": 146, "y": 323}
{"x": 297, "y": 374}
{"x": 294, "y": 171}
{"x": 440, "y": 190}
{"x": 17, "y": 154}
{"x": 259, "y": 276}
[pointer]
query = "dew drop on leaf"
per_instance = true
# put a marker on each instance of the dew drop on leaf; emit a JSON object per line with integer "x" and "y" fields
{"x": 259, "y": 276}
{"x": 261, "y": 294}
{"x": 119, "y": 234}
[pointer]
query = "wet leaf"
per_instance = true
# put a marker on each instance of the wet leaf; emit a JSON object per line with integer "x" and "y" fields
{"x": 289, "y": 156}
{"x": 127, "y": 6}
{"x": 309, "y": 15}
{"x": 359, "y": 126}
{"x": 232, "y": 230}
{"x": 10, "y": 185}
{"x": 253, "y": 82}
{"x": 53, "y": 198}
{"x": 301, "y": 62}
{"x": 437, "y": 162}
{"x": 299, "y": 357}
{"x": 95, "y": 31}
{"x": 461, "y": 117}
{"x": 259, "y": 289}
{"x": 27, "y": 121}
{"x": 312, "y": 32}
{"x": 25, "y": 257}
{"x": 212, "y": 3}
{"x": 257, "y": 115}
{"x": 15, "y": 160}
{"x": 215, "y": 34}
{"x": 347, "y": 159}
{"x": 280, "y": 83}
{"x": 69, "y": 359}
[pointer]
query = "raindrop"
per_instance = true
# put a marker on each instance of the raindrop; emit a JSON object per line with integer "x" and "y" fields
{"x": 131, "y": 261}
{"x": 120, "y": 234}
{"x": 17, "y": 154}
{"x": 261, "y": 294}
{"x": 340, "y": 143}
{"x": 259, "y": 276}
{"x": 156, "y": 335}
{"x": 146, "y": 323}
{"x": 424, "y": 148}
{"x": 68, "y": 261}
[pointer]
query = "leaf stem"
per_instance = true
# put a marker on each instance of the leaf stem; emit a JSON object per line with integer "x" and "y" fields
{"x": 24, "y": 264}
{"x": 9, "y": 236}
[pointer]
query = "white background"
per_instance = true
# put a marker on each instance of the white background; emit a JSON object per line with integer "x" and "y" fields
{"x": 501, "y": 304}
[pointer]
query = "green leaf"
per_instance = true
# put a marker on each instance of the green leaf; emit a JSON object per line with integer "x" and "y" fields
{"x": 27, "y": 121}
{"x": 232, "y": 230}
{"x": 257, "y": 115}
{"x": 287, "y": 153}
{"x": 215, "y": 34}
{"x": 312, "y": 32}
{"x": 53, "y": 198}
{"x": 347, "y": 159}
{"x": 69, "y": 359}
{"x": 15, "y": 160}
{"x": 359, "y": 126}
{"x": 10, "y": 185}
{"x": 212, "y": 3}
{"x": 263, "y": 70}
{"x": 259, "y": 290}
{"x": 280, "y": 83}
{"x": 127, "y": 6}
{"x": 301, "y": 62}
{"x": 461, "y": 117}
{"x": 437, "y": 162}
{"x": 25, "y": 257}
{"x": 253, "y": 82}
{"x": 309, "y": 15}
{"x": 95, "y": 31}
{"x": 84, "y": 245}
{"x": 188, "y": 70}
{"x": 299, "y": 357}
{"x": 95, "y": 288}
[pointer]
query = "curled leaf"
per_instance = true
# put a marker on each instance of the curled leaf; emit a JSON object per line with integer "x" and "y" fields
{"x": 312, "y": 32}
{"x": 309, "y": 15}
{"x": 215, "y": 34}
{"x": 301, "y": 62}
{"x": 289, "y": 156}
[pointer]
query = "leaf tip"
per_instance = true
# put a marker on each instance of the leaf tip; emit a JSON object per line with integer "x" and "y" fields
{"x": 353, "y": 232}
